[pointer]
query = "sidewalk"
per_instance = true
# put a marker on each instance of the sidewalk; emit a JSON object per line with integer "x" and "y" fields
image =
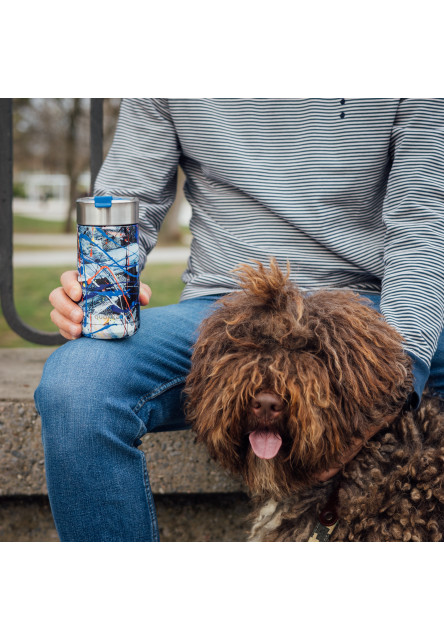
{"x": 46, "y": 239}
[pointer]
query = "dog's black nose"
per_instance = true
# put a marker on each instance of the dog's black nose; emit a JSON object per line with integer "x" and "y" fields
{"x": 266, "y": 406}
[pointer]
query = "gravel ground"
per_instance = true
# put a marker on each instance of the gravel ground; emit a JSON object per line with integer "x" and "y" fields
{"x": 182, "y": 518}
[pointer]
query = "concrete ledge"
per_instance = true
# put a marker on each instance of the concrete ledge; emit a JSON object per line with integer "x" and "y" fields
{"x": 182, "y": 518}
{"x": 175, "y": 463}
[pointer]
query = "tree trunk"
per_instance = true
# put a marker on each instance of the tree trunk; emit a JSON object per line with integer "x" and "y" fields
{"x": 71, "y": 160}
{"x": 171, "y": 232}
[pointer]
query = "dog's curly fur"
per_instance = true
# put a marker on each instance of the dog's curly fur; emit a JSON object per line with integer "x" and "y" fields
{"x": 341, "y": 373}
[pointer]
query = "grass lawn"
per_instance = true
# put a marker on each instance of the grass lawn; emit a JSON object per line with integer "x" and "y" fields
{"x": 32, "y": 286}
{"x": 22, "y": 224}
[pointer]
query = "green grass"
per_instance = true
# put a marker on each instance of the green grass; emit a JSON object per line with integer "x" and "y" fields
{"x": 22, "y": 224}
{"x": 32, "y": 286}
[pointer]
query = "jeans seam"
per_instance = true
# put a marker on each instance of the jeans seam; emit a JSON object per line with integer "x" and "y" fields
{"x": 147, "y": 486}
{"x": 150, "y": 499}
{"x": 166, "y": 386}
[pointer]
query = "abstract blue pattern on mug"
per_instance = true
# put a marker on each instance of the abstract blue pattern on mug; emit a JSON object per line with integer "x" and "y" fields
{"x": 108, "y": 266}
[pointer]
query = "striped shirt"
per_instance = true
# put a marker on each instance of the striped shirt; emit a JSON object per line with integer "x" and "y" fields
{"x": 350, "y": 191}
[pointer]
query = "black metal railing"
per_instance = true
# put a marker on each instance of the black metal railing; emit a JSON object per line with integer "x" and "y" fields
{"x": 6, "y": 221}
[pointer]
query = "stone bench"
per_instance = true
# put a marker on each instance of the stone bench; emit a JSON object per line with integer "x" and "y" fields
{"x": 176, "y": 463}
{"x": 195, "y": 499}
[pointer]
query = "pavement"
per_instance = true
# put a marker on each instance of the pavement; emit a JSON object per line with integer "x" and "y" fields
{"x": 65, "y": 251}
{"x": 20, "y": 372}
{"x": 182, "y": 518}
{"x": 46, "y": 239}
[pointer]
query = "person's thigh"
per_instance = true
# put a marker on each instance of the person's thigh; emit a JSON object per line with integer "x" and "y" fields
{"x": 129, "y": 373}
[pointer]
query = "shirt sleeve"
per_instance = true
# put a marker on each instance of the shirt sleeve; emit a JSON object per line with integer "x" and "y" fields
{"x": 412, "y": 297}
{"x": 142, "y": 162}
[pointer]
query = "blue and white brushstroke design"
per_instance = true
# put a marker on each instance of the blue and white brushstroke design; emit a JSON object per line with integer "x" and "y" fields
{"x": 108, "y": 266}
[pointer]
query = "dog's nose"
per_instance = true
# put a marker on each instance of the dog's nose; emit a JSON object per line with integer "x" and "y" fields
{"x": 266, "y": 406}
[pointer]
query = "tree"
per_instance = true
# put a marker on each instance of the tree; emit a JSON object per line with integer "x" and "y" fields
{"x": 52, "y": 135}
{"x": 73, "y": 163}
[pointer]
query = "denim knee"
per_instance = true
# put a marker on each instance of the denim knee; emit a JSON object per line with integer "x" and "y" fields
{"x": 81, "y": 397}
{"x": 68, "y": 379}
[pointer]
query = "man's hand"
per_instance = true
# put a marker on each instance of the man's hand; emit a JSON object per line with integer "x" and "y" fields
{"x": 67, "y": 315}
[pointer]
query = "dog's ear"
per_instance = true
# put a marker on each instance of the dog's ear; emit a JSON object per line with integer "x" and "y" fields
{"x": 268, "y": 287}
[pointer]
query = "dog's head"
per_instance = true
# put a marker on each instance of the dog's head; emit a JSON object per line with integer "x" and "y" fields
{"x": 282, "y": 382}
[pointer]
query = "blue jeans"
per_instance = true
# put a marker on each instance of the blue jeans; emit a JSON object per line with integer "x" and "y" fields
{"x": 97, "y": 398}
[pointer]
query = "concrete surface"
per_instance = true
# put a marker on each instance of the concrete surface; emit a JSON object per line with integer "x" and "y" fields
{"x": 195, "y": 499}
{"x": 20, "y": 372}
{"x": 215, "y": 518}
{"x": 176, "y": 464}
{"x": 46, "y": 239}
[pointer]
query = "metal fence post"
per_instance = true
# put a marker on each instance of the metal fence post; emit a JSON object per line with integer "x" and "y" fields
{"x": 6, "y": 220}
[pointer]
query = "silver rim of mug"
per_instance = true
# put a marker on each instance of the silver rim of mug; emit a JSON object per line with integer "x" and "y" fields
{"x": 122, "y": 211}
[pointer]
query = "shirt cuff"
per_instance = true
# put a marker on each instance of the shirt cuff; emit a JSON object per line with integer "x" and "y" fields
{"x": 420, "y": 376}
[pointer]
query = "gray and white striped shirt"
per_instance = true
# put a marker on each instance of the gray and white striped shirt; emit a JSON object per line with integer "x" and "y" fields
{"x": 350, "y": 191}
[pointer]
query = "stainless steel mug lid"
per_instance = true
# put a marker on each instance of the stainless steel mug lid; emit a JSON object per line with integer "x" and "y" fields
{"x": 101, "y": 211}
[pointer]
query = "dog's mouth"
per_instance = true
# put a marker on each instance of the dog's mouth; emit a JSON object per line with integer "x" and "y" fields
{"x": 265, "y": 444}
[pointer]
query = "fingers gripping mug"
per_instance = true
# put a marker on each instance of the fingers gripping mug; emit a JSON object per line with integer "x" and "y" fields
{"x": 108, "y": 266}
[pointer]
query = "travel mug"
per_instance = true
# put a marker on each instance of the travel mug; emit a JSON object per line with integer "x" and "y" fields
{"x": 108, "y": 266}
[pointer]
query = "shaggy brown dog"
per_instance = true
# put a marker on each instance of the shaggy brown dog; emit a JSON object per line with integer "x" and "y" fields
{"x": 284, "y": 383}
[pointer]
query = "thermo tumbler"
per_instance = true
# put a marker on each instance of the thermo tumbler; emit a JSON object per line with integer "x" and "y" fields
{"x": 108, "y": 266}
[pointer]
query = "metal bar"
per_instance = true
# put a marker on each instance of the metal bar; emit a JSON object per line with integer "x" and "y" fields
{"x": 96, "y": 139}
{"x": 6, "y": 222}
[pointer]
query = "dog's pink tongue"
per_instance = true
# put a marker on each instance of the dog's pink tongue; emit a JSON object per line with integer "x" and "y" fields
{"x": 265, "y": 444}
